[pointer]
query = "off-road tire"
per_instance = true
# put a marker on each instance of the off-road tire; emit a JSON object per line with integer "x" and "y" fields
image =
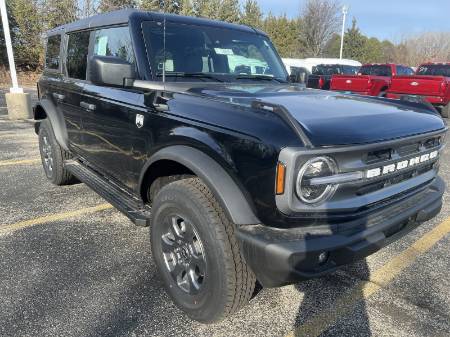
{"x": 228, "y": 283}
{"x": 445, "y": 110}
{"x": 58, "y": 174}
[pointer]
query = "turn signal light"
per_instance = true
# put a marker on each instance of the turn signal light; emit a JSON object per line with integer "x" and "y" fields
{"x": 280, "y": 178}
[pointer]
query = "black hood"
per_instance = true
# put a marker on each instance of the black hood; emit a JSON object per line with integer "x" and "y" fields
{"x": 330, "y": 118}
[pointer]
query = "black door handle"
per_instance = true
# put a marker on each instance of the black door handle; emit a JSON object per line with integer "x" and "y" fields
{"x": 59, "y": 97}
{"x": 87, "y": 106}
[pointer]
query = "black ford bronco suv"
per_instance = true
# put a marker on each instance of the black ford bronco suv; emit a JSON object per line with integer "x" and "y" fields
{"x": 191, "y": 127}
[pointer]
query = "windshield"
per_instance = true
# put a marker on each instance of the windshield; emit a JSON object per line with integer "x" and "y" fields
{"x": 209, "y": 53}
{"x": 434, "y": 70}
{"x": 378, "y": 70}
{"x": 331, "y": 69}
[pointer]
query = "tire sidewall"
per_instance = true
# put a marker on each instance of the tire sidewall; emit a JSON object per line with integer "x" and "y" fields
{"x": 211, "y": 299}
{"x": 46, "y": 131}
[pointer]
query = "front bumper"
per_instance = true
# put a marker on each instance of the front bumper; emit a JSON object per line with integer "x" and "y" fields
{"x": 284, "y": 256}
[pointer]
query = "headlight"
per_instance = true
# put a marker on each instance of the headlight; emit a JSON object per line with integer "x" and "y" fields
{"x": 315, "y": 168}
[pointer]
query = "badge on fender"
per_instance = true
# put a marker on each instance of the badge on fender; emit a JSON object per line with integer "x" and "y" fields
{"x": 139, "y": 120}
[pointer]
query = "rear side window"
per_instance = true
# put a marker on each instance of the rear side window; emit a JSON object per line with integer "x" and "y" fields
{"x": 350, "y": 70}
{"x": 52, "y": 53}
{"x": 376, "y": 70}
{"x": 402, "y": 70}
{"x": 434, "y": 70}
{"x": 326, "y": 69}
{"x": 77, "y": 52}
{"x": 114, "y": 42}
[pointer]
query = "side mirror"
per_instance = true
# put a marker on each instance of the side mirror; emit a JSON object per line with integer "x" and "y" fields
{"x": 110, "y": 71}
{"x": 293, "y": 78}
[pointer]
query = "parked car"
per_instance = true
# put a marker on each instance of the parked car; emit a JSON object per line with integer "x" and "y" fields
{"x": 309, "y": 63}
{"x": 430, "y": 83}
{"x": 321, "y": 74}
{"x": 372, "y": 79}
{"x": 241, "y": 176}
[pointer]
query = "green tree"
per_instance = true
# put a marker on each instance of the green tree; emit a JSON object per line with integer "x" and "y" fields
{"x": 187, "y": 7}
{"x": 209, "y": 8}
{"x": 12, "y": 28}
{"x": 333, "y": 47}
{"x": 354, "y": 43}
{"x": 285, "y": 34}
{"x": 388, "y": 51}
{"x": 112, "y": 5}
{"x": 372, "y": 52}
{"x": 168, "y": 6}
{"x": 252, "y": 15}
{"x": 229, "y": 11}
{"x": 59, "y": 12}
{"x": 28, "y": 28}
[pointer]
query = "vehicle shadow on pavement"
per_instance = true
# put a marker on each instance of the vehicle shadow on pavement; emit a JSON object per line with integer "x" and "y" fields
{"x": 67, "y": 280}
{"x": 320, "y": 295}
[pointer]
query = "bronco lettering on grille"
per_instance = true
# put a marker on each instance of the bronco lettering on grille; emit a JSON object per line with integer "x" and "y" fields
{"x": 401, "y": 165}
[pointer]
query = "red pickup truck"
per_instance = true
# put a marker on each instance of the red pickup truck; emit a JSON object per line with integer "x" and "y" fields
{"x": 431, "y": 83}
{"x": 372, "y": 79}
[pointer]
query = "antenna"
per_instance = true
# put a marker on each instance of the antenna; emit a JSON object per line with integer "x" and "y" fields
{"x": 164, "y": 43}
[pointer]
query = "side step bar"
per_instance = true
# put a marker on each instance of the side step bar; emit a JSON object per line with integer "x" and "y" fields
{"x": 130, "y": 206}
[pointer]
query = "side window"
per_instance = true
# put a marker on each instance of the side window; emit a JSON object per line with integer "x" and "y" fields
{"x": 52, "y": 53}
{"x": 114, "y": 42}
{"x": 401, "y": 70}
{"x": 77, "y": 52}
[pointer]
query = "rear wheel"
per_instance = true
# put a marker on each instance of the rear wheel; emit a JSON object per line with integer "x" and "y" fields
{"x": 53, "y": 156}
{"x": 196, "y": 252}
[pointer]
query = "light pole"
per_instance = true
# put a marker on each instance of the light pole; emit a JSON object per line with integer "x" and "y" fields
{"x": 344, "y": 14}
{"x": 17, "y": 102}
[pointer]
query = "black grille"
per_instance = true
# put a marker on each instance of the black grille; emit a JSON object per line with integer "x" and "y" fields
{"x": 382, "y": 155}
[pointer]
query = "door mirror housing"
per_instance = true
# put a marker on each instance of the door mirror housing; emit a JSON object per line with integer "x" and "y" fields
{"x": 110, "y": 71}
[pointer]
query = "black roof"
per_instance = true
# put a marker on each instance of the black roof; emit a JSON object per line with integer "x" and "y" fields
{"x": 125, "y": 15}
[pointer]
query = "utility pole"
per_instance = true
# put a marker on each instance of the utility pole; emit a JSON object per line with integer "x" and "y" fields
{"x": 17, "y": 102}
{"x": 344, "y": 14}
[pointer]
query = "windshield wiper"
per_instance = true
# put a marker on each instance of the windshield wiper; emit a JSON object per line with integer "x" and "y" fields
{"x": 260, "y": 77}
{"x": 194, "y": 75}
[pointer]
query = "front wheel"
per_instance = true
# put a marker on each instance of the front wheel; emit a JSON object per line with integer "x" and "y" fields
{"x": 197, "y": 254}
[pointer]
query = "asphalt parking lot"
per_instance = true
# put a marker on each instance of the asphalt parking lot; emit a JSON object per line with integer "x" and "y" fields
{"x": 70, "y": 265}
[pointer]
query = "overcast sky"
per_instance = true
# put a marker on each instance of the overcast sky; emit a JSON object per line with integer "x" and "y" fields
{"x": 391, "y": 19}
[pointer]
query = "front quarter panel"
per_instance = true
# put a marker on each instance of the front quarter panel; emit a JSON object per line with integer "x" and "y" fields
{"x": 244, "y": 142}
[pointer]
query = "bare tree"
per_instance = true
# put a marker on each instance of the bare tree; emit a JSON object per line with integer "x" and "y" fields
{"x": 431, "y": 46}
{"x": 320, "y": 20}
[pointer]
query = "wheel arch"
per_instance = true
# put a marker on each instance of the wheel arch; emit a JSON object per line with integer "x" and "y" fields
{"x": 46, "y": 109}
{"x": 191, "y": 160}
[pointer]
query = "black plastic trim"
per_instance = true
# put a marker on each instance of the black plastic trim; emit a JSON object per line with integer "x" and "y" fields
{"x": 57, "y": 122}
{"x": 220, "y": 183}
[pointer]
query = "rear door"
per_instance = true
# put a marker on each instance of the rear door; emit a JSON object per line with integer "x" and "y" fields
{"x": 113, "y": 138}
{"x": 50, "y": 82}
{"x": 71, "y": 87}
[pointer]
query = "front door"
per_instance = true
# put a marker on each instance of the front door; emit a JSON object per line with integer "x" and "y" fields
{"x": 114, "y": 137}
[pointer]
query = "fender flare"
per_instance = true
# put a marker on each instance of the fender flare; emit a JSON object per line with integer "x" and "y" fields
{"x": 223, "y": 187}
{"x": 56, "y": 120}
